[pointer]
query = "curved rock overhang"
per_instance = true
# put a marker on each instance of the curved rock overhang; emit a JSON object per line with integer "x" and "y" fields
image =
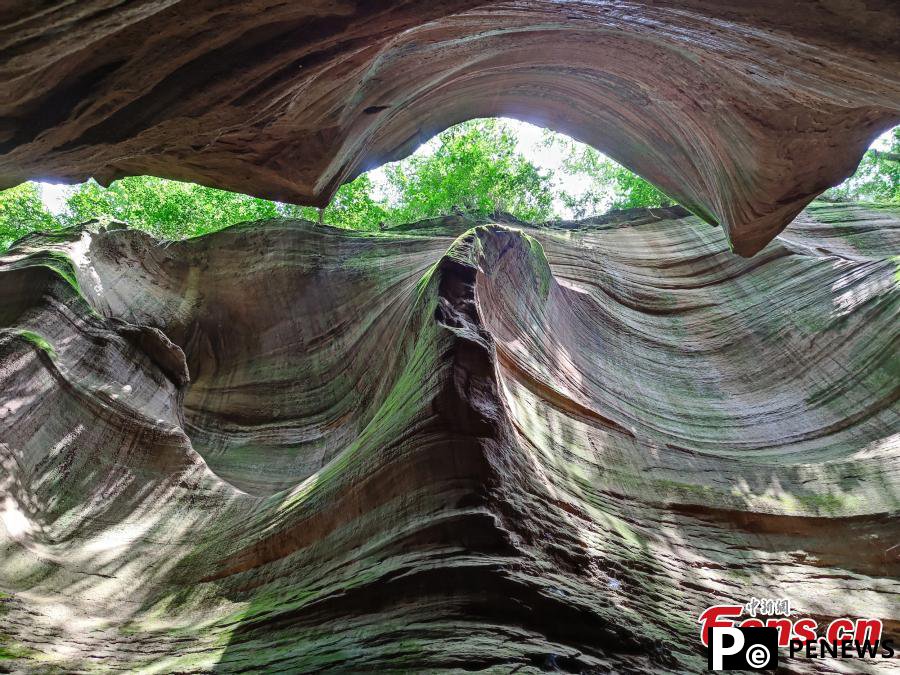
{"x": 742, "y": 111}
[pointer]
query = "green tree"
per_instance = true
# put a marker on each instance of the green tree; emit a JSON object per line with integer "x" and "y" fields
{"x": 166, "y": 208}
{"x": 172, "y": 209}
{"x": 354, "y": 206}
{"x": 877, "y": 178}
{"x": 21, "y": 212}
{"x": 475, "y": 167}
{"x": 609, "y": 185}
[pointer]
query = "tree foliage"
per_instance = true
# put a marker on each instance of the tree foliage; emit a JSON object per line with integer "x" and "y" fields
{"x": 877, "y": 178}
{"x": 607, "y": 184}
{"x": 165, "y": 208}
{"x": 475, "y": 166}
{"x": 21, "y": 212}
{"x": 355, "y": 207}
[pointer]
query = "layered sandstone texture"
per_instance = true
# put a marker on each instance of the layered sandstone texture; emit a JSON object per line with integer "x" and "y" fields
{"x": 455, "y": 445}
{"x": 742, "y": 111}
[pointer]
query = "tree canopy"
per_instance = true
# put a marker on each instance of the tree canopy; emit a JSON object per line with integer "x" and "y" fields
{"x": 608, "y": 185}
{"x": 168, "y": 209}
{"x": 877, "y": 178}
{"x": 21, "y": 212}
{"x": 477, "y": 166}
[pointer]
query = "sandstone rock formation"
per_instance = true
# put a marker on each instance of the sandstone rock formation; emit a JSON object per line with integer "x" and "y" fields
{"x": 743, "y": 111}
{"x": 452, "y": 445}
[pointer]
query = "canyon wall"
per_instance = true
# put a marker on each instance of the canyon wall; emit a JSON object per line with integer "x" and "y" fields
{"x": 454, "y": 444}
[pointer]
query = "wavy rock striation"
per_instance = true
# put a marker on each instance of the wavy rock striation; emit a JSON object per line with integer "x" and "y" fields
{"x": 744, "y": 111}
{"x": 453, "y": 445}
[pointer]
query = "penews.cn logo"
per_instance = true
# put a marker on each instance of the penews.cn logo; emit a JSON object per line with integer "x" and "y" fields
{"x": 734, "y": 648}
{"x": 736, "y": 642}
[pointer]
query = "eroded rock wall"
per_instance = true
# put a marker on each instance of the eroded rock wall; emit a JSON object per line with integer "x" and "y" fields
{"x": 460, "y": 444}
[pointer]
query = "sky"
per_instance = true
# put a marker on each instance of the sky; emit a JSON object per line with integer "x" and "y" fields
{"x": 529, "y": 144}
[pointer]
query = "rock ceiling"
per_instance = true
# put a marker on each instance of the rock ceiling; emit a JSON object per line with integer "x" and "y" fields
{"x": 743, "y": 111}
